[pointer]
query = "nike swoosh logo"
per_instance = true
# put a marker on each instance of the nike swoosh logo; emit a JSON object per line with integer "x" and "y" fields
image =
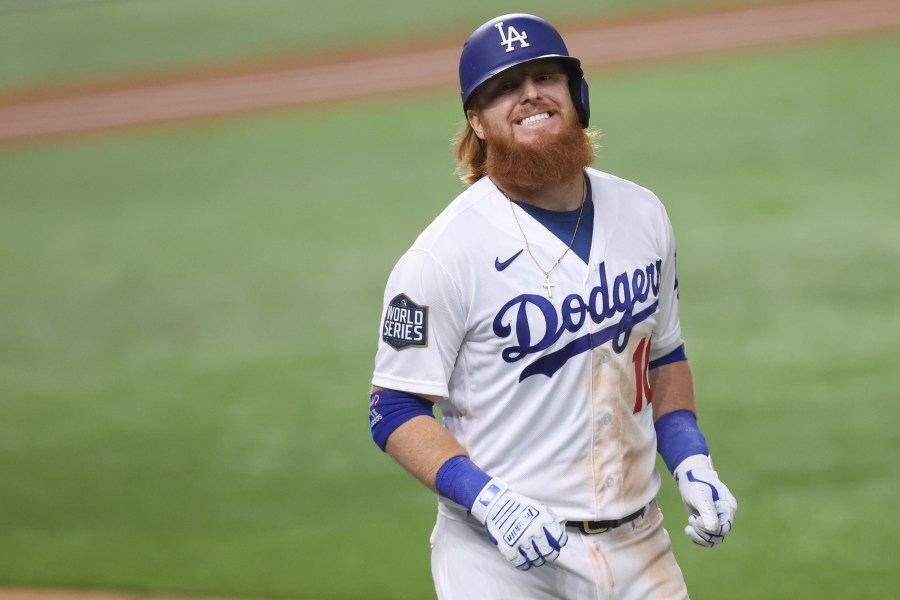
{"x": 502, "y": 265}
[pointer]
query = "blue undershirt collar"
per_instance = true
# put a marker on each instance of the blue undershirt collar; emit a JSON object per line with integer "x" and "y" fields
{"x": 562, "y": 223}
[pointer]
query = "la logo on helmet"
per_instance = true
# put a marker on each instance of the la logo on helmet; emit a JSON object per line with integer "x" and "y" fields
{"x": 511, "y": 36}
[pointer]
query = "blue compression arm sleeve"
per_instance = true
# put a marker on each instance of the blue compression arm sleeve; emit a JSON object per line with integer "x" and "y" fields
{"x": 677, "y": 437}
{"x": 388, "y": 410}
{"x": 460, "y": 480}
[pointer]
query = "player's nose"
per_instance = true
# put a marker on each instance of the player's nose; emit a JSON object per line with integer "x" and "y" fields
{"x": 529, "y": 90}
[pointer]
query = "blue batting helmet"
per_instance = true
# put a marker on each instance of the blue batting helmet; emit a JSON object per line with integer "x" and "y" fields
{"x": 514, "y": 39}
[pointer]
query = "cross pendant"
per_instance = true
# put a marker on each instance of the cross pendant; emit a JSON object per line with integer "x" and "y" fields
{"x": 549, "y": 285}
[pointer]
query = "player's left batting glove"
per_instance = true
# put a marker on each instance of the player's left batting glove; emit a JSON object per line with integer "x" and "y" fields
{"x": 525, "y": 531}
{"x": 710, "y": 505}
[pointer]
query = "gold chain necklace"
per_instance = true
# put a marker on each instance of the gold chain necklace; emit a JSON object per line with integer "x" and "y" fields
{"x": 549, "y": 286}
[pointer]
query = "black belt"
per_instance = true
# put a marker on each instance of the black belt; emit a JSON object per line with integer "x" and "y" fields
{"x": 601, "y": 526}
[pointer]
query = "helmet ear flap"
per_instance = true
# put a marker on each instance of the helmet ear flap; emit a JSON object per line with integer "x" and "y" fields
{"x": 582, "y": 101}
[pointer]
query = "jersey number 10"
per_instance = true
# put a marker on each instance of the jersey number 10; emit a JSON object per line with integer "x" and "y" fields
{"x": 641, "y": 360}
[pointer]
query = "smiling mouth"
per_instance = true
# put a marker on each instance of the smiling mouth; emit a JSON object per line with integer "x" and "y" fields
{"x": 533, "y": 119}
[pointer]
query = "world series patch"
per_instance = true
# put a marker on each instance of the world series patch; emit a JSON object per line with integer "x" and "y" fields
{"x": 405, "y": 324}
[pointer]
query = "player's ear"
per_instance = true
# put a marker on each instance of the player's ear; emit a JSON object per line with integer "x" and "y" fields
{"x": 475, "y": 123}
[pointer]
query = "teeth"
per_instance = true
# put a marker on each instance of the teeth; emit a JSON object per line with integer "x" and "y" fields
{"x": 535, "y": 119}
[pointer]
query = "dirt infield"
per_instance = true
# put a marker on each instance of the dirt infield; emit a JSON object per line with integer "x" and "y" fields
{"x": 314, "y": 81}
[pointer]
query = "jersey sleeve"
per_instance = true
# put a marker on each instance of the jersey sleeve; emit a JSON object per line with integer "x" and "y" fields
{"x": 422, "y": 327}
{"x": 668, "y": 332}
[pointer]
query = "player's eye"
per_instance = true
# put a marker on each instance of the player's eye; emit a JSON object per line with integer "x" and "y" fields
{"x": 502, "y": 87}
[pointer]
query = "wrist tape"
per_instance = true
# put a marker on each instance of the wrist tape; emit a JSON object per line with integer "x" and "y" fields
{"x": 460, "y": 480}
{"x": 677, "y": 437}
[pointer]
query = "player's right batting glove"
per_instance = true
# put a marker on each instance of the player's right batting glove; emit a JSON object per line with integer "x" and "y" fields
{"x": 525, "y": 531}
{"x": 710, "y": 505}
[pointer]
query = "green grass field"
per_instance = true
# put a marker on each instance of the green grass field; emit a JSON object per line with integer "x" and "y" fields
{"x": 188, "y": 319}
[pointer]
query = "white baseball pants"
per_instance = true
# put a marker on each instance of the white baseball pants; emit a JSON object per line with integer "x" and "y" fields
{"x": 631, "y": 562}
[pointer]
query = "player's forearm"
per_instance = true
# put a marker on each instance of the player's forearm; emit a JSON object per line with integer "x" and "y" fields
{"x": 672, "y": 386}
{"x": 711, "y": 505}
{"x": 421, "y": 445}
{"x": 677, "y": 435}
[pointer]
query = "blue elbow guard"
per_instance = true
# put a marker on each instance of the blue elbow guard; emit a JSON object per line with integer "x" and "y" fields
{"x": 388, "y": 410}
{"x": 677, "y": 437}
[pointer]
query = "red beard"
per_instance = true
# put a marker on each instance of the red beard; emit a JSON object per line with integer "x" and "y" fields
{"x": 554, "y": 160}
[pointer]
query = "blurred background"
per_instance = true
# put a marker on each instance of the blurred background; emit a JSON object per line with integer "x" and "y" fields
{"x": 188, "y": 312}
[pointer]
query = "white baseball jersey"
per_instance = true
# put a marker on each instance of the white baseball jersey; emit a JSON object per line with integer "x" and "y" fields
{"x": 548, "y": 393}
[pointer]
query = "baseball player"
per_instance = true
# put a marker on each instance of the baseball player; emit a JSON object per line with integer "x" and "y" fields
{"x": 539, "y": 311}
